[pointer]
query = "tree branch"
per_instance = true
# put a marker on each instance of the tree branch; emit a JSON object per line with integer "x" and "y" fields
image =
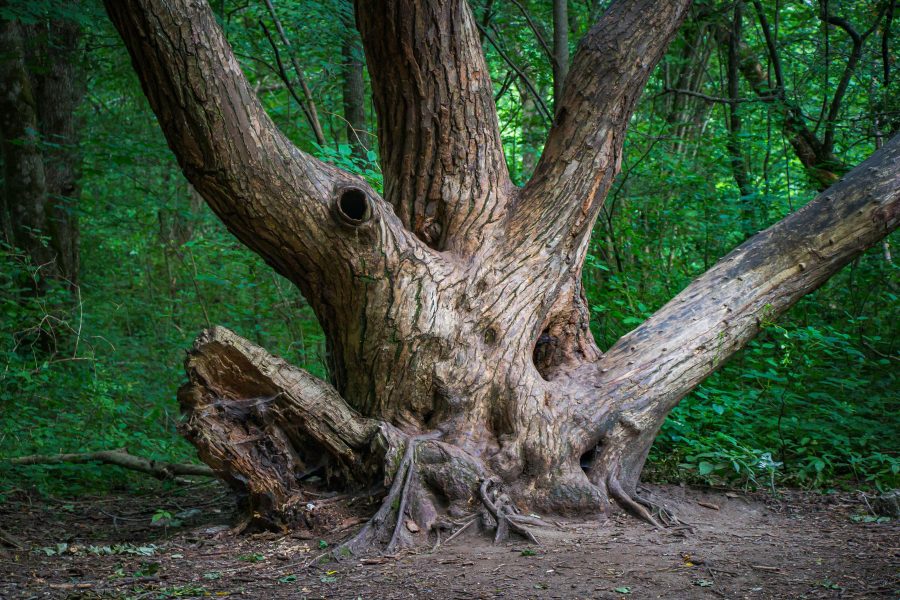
{"x": 443, "y": 163}
{"x": 282, "y": 203}
{"x": 583, "y": 151}
{"x": 822, "y": 167}
{"x": 286, "y": 80}
{"x": 648, "y": 371}
{"x": 119, "y": 458}
{"x": 770, "y": 46}
{"x": 537, "y": 33}
{"x": 309, "y": 108}
{"x": 545, "y": 111}
{"x": 857, "y": 39}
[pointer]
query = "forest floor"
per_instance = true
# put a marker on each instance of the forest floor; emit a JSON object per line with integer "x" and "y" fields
{"x": 798, "y": 545}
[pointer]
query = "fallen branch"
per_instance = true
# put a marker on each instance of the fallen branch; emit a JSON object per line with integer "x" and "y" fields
{"x": 119, "y": 458}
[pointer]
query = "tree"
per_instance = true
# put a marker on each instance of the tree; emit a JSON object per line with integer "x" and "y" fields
{"x": 39, "y": 70}
{"x": 462, "y": 367}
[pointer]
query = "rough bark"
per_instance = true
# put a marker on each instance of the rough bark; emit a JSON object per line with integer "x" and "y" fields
{"x": 263, "y": 425}
{"x": 462, "y": 368}
{"x": 443, "y": 164}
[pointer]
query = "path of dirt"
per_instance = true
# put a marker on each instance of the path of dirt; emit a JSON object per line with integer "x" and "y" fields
{"x": 798, "y": 546}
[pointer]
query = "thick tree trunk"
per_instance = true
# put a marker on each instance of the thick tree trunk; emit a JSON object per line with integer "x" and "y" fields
{"x": 462, "y": 367}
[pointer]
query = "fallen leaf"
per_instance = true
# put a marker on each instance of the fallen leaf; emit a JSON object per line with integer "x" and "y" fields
{"x": 412, "y": 526}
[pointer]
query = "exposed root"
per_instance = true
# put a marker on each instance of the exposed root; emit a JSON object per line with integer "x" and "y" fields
{"x": 504, "y": 513}
{"x": 395, "y": 504}
{"x": 635, "y": 507}
{"x": 666, "y": 517}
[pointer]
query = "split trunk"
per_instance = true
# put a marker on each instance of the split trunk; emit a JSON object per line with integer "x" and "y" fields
{"x": 463, "y": 373}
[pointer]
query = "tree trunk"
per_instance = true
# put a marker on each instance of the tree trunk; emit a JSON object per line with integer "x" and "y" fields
{"x": 560, "y": 48}
{"x": 354, "y": 90}
{"x": 462, "y": 368}
{"x": 735, "y": 147}
{"x": 42, "y": 163}
{"x": 24, "y": 180}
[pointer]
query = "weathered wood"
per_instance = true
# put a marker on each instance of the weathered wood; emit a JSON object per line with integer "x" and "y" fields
{"x": 119, "y": 458}
{"x": 647, "y": 372}
{"x": 262, "y": 425}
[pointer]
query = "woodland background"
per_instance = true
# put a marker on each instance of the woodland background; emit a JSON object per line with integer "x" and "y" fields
{"x": 91, "y": 360}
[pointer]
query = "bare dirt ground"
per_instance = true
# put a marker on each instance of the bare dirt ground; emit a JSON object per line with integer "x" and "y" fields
{"x": 742, "y": 546}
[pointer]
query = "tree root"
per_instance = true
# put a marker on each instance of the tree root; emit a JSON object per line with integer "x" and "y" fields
{"x": 668, "y": 519}
{"x": 505, "y": 513}
{"x": 635, "y": 506}
{"x": 396, "y": 503}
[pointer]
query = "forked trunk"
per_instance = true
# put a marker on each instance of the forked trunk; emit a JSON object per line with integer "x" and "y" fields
{"x": 463, "y": 372}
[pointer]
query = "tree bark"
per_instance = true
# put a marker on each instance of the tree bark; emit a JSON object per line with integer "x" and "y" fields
{"x": 462, "y": 368}
{"x": 59, "y": 89}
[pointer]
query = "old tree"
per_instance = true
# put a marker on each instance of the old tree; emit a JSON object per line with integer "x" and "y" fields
{"x": 463, "y": 374}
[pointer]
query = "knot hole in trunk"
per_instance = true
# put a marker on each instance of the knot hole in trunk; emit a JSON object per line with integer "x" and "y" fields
{"x": 352, "y": 206}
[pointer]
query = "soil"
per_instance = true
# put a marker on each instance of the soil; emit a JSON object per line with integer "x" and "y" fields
{"x": 796, "y": 545}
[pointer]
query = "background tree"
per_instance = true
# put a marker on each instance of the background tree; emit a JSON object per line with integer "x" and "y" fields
{"x": 41, "y": 72}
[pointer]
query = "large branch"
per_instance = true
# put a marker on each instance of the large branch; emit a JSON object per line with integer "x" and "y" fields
{"x": 442, "y": 159}
{"x": 583, "y": 151}
{"x": 277, "y": 200}
{"x": 647, "y": 372}
{"x": 324, "y": 229}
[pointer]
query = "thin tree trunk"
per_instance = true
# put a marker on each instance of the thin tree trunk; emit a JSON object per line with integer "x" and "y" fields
{"x": 560, "y": 48}
{"x": 354, "y": 90}
{"x": 735, "y": 147}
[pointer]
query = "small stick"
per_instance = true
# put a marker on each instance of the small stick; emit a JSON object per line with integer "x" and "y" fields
{"x": 460, "y": 530}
